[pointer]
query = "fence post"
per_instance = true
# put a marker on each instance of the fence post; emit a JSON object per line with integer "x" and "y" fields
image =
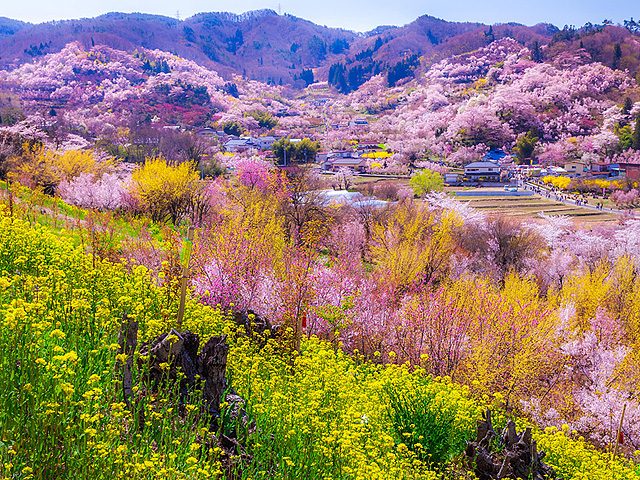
{"x": 619, "y": 432}
{"x": 186, "y": 256}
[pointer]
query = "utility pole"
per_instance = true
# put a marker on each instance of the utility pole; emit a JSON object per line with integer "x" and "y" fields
{"x": 279, "y": 9}
{"x": 178, "y": 15}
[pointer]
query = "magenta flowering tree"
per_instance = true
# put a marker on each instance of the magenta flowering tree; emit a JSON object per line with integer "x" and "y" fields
{"x": 233, "y": 267}
{"x": 254, "y": 173}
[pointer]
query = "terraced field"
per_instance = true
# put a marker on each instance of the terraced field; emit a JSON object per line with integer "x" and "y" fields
{"x": 529, "y": 207}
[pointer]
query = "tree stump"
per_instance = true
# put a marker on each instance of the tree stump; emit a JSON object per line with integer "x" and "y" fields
{"x": 127, "y": 342}
{"x": 255, "y": 327}
{"x": 160, "y": 359}
{"x": 213, "y": 358}
{"x": 173, "y": 357}
{"x": 519, "y": 459}
{"x": 175, "y": 351}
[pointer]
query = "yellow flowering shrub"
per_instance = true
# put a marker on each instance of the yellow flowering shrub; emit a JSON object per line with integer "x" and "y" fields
{"x": 559, "y": 182}
{"x": 377, "y": 155}
{"x": 166, "y": 191}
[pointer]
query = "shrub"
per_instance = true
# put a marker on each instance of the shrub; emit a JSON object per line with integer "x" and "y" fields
{"x": 167, "y": 192}
{"x": 426, "y": 182}
{"x": 423, "y": 429}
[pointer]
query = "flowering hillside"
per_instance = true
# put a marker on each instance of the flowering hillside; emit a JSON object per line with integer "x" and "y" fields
{"x": 317, "y": 411}
{"x": 103, "y": 88}
{"x": 498, "y": 97}
{"x": 172, "y": 307}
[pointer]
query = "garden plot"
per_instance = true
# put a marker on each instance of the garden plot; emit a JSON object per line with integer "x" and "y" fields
{"x": 532, "y": 206}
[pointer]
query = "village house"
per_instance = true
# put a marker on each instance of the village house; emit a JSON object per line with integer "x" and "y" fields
{"x": 451, "y": 178}
{"x": 209, "y": 132}
{"x": 358, "y": 122}
{"x": 483, "y": 171}
{"x": 265, "y": 142}
{"x": 604, "y": 170}
{"x": 355, "y": 163}
{"x": 321, "y": 157}
{"x": 243, "y": 144}
{"x": 576, "y": 169}
{"x": 332, "y": 161}
{"x": 631, "y": 170}
{"x": 495, "y": 155}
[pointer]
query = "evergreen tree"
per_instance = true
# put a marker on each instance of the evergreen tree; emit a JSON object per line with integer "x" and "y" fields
{"x": 536, "y": 53}
{"x": 525, "y": 147}
{"x": 233, "y": 128}
{"x": 617, "y": 55}
{"x": 284, "y": 151}
{"x": 489, "y": 35}
{"x": 337, "y": 77}
{"x": 239, "y": 38}
{"x": 307, "y": 76}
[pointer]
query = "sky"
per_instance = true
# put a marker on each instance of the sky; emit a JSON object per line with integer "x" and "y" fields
{"x": 358, "y": 15}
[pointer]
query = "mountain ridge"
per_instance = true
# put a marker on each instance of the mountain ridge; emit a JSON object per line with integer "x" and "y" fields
{"x": 260, "y": 44}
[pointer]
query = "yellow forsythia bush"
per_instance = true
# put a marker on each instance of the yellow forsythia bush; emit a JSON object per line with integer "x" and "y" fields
{"x": 166, "y": 191}
{"x": 560, "y": 182}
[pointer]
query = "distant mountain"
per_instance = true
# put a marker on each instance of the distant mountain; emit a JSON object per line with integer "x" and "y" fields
{"x": 9, "y": 27}
{"x": 283, "y": 49}
{"x": 403, "y": 51}
{"x": 613, "y": 46}
{"x": 263, "y": 45}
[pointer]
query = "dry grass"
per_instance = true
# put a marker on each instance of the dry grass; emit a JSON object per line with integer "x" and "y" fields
{"x": 531, "y": 206}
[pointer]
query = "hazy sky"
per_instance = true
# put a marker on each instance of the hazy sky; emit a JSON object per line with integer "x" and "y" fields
{"x": 359, "y": 15}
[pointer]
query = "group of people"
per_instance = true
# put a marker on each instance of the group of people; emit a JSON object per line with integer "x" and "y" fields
{"x": 554, "y": 193}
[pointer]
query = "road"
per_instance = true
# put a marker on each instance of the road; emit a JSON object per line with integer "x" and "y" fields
{"x": 553, "y": 196}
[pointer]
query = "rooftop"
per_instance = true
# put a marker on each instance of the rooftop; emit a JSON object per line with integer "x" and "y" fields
{"x": 483, "y": 165}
